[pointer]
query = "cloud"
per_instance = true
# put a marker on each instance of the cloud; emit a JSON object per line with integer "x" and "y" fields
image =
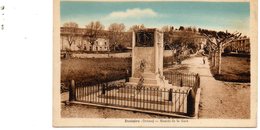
{"x": 133, "y": 13}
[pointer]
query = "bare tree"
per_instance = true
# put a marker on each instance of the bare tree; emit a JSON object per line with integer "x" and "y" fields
{"x": 70, "y": 32}
{"x": 93, "y": 30}
{"x": 218, "y": 41}
{"x": 80, "y": 45}
{"x": 136, "y": 28}
{"x": 116, "y": 34}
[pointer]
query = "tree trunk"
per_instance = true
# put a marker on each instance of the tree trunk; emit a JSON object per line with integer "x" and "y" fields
{"x": 213, "y": 58}
{"x": 62, "y": 43}
{"x": 172, "y": 56}
{"x": 219, "y": 59}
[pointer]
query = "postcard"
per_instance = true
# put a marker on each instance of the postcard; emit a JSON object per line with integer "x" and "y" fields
{"x": 151, "y": 63}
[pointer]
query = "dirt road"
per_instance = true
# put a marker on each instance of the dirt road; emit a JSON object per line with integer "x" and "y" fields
{"x": 219, "y": 99}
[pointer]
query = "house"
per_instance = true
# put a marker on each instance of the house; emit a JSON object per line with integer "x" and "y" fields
{"x": 240, "y": 45}
{"x": 80, "y": 43}
{"x": 101, "y": 44}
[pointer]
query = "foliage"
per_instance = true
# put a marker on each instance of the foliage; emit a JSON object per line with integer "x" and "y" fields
{"x": 181, "y": 28}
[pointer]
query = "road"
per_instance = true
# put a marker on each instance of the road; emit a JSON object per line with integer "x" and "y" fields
{"x": 219, "y": 99}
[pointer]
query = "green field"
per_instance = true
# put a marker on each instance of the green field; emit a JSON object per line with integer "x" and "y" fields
{"x": 95, "y": 69}
{"x": 234, "y": 69}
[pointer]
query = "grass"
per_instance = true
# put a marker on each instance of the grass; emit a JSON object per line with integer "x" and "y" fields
{"x": 233, "y": 69}
{"x": 94, "y": 70}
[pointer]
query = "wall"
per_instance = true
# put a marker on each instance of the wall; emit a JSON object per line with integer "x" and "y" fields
{"x": 114, "y": 55}
{"x": 82, "y": 44}
{"x": 166, "y": 53}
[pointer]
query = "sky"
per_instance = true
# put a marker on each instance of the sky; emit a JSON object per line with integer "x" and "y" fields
{"x": 231, "y": 16}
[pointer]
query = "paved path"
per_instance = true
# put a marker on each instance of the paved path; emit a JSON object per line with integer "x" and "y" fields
{"x": 219, "y": 99}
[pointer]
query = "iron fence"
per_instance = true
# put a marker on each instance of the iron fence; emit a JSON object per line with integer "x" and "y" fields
{"x": 179, "y": 100}
{"x": 155, "y": 99}
{"x": 183, "y": 80}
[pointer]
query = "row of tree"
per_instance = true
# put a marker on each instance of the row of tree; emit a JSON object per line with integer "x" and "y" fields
{"x": 116, "y": 28}
{"x": 216, "y": 39}
{"x": 116, "y": 32}
{"x": 93, "y": 31}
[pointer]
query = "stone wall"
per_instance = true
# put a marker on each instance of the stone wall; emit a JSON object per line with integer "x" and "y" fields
{"x": 113, "y": 55}
{"x": 166, "y": 53}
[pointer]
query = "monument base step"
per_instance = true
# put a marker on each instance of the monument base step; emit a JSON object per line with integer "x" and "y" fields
{"x": 146, "y": 80}
{"x": 145, "y": 85}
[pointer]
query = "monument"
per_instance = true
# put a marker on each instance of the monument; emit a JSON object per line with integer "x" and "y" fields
{"x": 147, "y": 59}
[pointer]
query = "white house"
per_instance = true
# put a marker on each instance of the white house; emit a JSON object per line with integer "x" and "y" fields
{"x": 101, "y": 44}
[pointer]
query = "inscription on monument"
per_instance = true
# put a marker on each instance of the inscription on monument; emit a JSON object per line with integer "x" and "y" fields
{"x": 144, "y": 39}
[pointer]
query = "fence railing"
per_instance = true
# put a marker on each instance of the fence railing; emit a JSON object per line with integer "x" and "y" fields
{"x": 154, "y": 99}
{"x": 170, "y": 100}
{"x": 183, "y": 80}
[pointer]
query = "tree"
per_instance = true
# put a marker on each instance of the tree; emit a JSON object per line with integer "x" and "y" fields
{"x": 179, "y": 43}
{"x": 115, "y": 27}
{"x": 199, "y": 30}
{"x": 167, "y": 29}
{"x": 189, "y": 29}
{"x": 93, "y": 30}
{"x": 218, "y": 40}
{"x": 194, "y": 29}
{"x": 70, "y": 32}
{"x": 116, "y": 34}
{"x": 181, "y": 28}
{"x": 136, "y": 28}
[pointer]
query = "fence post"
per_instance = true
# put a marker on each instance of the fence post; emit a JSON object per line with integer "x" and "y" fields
{"x": 72, "y": 91}
{"x": 170, "y": 95}
{"x": 191, "y": 103}
{"x": 103, "y": 89}
{"x": 198, "y": 80}
{"x": 170, "y": 74}
{"x": 127, "y": 76}
{"x": 181, "y": 84}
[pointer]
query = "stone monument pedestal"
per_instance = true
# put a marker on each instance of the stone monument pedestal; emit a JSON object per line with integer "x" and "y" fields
{"x": 147, "y": 59}
{"x": 151, "y": 80}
